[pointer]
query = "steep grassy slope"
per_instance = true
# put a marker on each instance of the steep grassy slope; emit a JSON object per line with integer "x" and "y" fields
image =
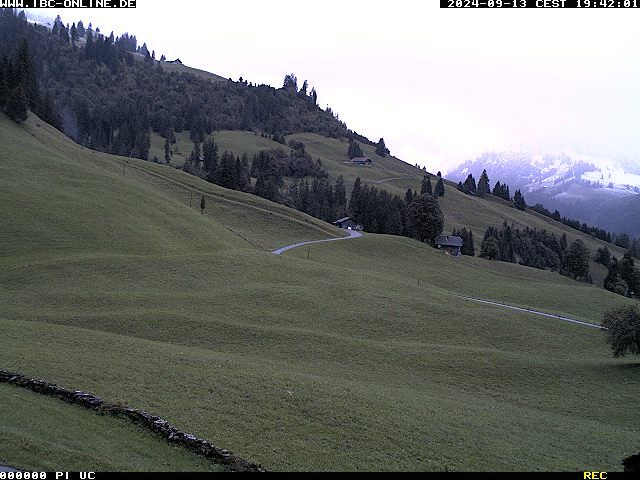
{"x": 337, "y": 362}
{"x": 45, "y": 434}
{"x": 396, "y": 176}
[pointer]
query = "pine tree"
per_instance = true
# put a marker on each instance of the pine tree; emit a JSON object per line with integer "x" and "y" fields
{"x": 426, "y": 188}
{"x": 340, "y": 198}
{"x": 439, "y": 190}
{"x": 74, "y": 34}
{"x": 167, "y": 152}
{"x": 408, "y": 197}
{"x": 483, "y": 185}
{"x": 518, "y": 201}
{"x": 210, "y": 156}
{"x": 81, "y": 30}
{"x": 470, "y": 185}
{"x": 17, "y": 105}
{"x": 4, "y": 86}
{"x": 381, "y": 148}
{"x": 203, "y": 204}
{"x": 356, "y": 201}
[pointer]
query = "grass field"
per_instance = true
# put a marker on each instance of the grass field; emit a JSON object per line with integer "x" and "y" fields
{"x": 460, "y": 210}
{"x": 112, "y": 284}
{"x": 44, "y": 434}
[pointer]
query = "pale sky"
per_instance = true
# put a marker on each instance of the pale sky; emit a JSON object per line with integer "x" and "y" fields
{"x": 441, "y": 86}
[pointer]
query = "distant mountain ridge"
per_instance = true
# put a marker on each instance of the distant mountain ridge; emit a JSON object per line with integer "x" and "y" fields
{"x": 596, "y": 190}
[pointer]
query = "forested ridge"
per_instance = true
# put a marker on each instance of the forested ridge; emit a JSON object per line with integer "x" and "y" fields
{"x": 108, "y": 92}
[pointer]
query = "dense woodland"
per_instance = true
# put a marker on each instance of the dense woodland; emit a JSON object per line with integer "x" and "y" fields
{"x": 108, "y": 92}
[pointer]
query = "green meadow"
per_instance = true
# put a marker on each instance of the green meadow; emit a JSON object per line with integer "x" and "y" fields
{"x": 353, "y": 355}
{"x": 44, "y": 434}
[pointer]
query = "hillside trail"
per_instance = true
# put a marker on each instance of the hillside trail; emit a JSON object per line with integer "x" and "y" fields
{"x": 352, "y": 234}
{"x": 535, "y": 312}
{"x": 394, "y": 178}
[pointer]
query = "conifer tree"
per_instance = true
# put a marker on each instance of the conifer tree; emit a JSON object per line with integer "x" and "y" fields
{"x": 426, "y": 188}
{"x": 4, "y": 86}
{"x": 381, "y": 148}
{"x": 483, "y": 185}
{"x": 203, "y": 204}
{"x": 470, "y": 185}
{"x": 167, "y": 152}
{"x": 17, "y": 105}
{"x": 439, "y": 190}
{"x": 518, "y": 201}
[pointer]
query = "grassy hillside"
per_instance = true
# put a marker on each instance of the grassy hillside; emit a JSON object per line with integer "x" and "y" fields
{"x": 339, "y": 361}
{"x": 396, "y": 176}
{"x": 44, "y": 434}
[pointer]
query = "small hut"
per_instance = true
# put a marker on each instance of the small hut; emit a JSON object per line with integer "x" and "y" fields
{"x": 450, "y": 244}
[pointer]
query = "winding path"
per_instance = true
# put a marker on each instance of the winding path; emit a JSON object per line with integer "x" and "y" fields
{"x": 535, "y": 312}
{"x": 352, "y": 234}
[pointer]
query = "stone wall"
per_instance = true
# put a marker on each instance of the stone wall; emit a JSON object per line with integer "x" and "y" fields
{"x": 155, "y": 424}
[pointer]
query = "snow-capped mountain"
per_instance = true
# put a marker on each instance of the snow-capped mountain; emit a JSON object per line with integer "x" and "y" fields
{"x": 578, "y": 185}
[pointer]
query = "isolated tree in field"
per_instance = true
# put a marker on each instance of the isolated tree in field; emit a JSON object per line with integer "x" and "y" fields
{"x": 354, "y": 150}
{"x": 518, "y": 200}
{"x": 490, "y": 248}
{"x": 203, "y": 204}
{"x": 623, "y": 330}
{"x": 577, "y": 260}
{"x": 381, "y": 148}
{"x": 483, "y": 184}
{"x": 439, "y": 190}
{"x": 426, "y": 188}
{"x": 425, "y": 220}
{"x": 17, "y": 105}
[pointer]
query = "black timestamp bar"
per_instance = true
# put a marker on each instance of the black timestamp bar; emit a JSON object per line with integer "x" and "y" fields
{"x": 539, "y": 3}
{"x": 67, "y": 3}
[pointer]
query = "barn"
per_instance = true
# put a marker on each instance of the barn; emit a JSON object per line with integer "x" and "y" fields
{"x": 450, "y": 244}
{"x": 347, "y": 224}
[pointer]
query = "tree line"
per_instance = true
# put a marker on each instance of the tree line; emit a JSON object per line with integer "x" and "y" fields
{"x": 502, "y": 190}
{"x": 538, "y": 249}
{"x": 623, "y": 277}
{"x": 109, "y": 99}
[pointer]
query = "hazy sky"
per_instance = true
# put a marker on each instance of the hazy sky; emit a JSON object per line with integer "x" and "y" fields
{"x": 439, "y": 85}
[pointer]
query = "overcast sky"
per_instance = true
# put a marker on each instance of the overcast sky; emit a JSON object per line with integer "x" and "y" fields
{"x": 440, "y": 86}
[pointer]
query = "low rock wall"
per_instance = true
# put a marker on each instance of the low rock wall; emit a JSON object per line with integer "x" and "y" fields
{"x": 153, "y": 423}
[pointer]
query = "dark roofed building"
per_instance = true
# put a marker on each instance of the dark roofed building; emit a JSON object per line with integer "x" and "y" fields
{"x": 450, "y": 244}
{"x": 347, "y": 224}
{"x": 361, "y": 161}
